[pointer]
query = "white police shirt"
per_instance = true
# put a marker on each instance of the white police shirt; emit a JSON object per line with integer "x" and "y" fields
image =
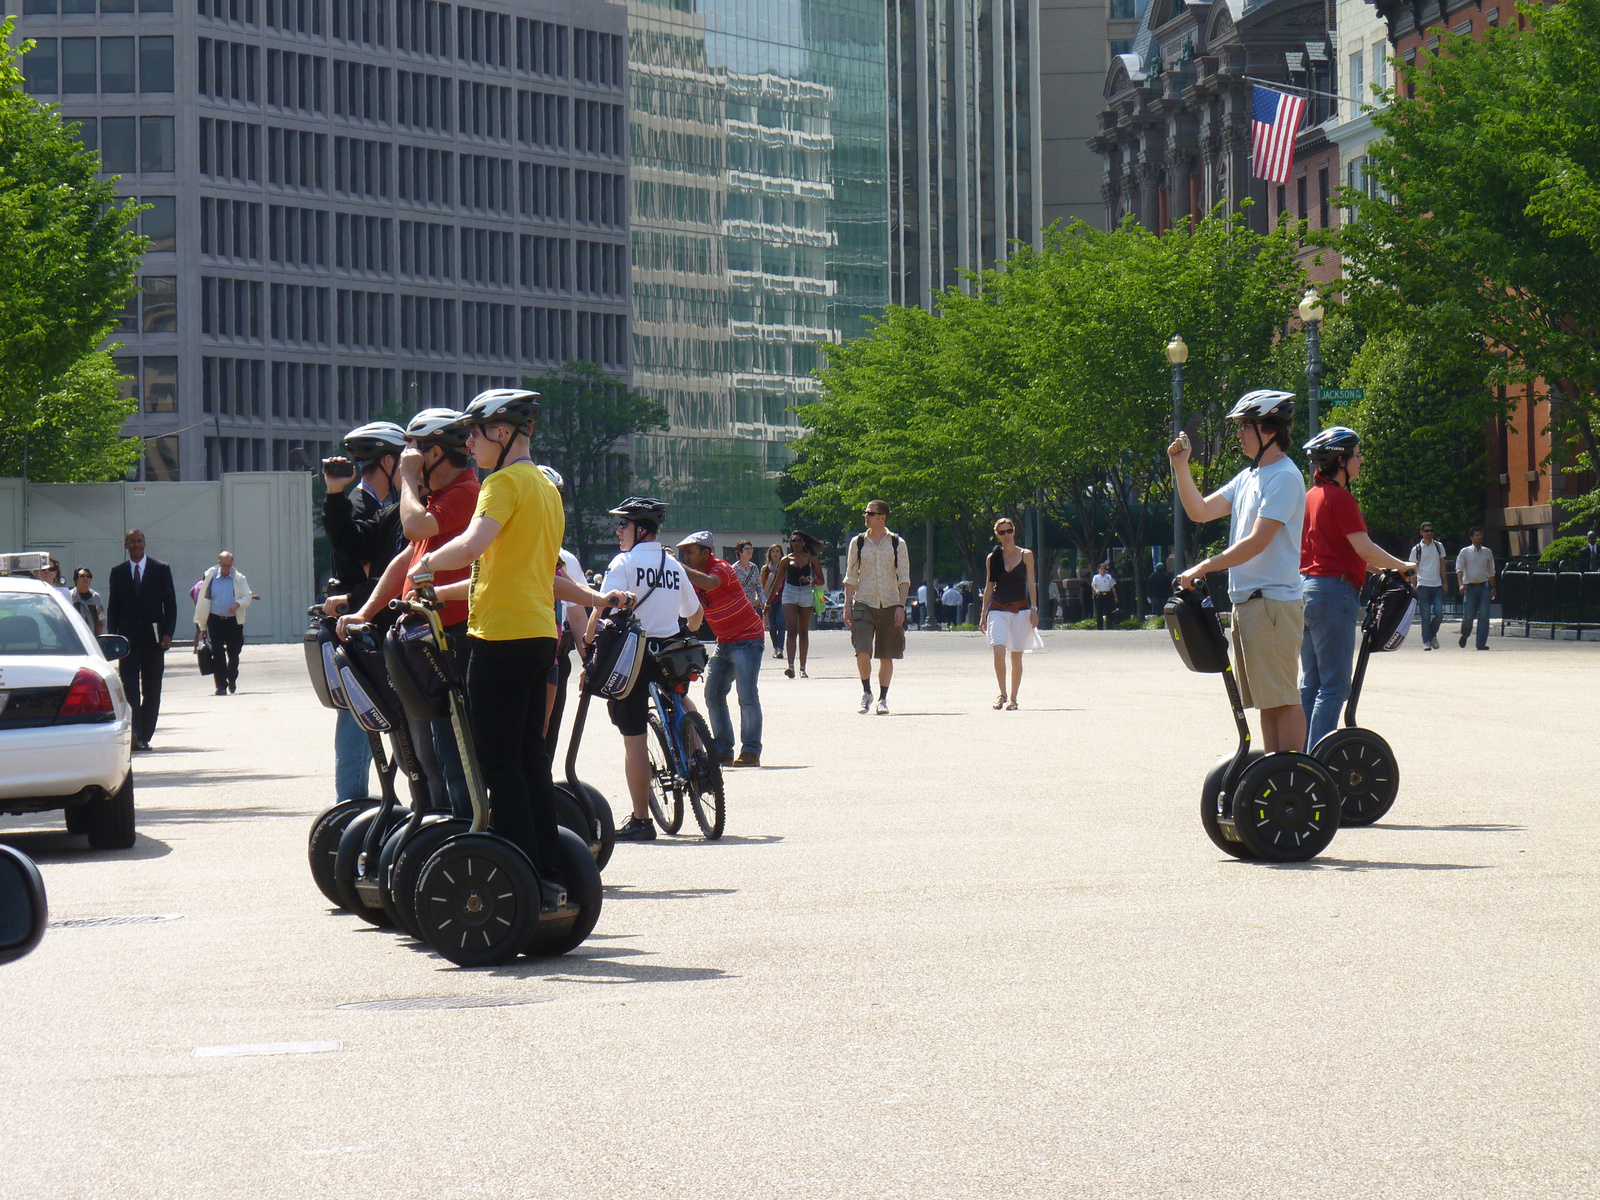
{"x": 673, "y": 597}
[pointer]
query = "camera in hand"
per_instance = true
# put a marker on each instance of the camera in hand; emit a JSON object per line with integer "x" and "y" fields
{"x": 339, "y": 468}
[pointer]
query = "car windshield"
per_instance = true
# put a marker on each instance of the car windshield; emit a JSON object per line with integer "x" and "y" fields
{"x": 35, "y": 624}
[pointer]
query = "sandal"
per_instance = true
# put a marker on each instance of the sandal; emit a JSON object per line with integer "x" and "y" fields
{"x": 1012, "y": 707}
{"x": 803, "y": 674}
{"x": 1000, "y": 703}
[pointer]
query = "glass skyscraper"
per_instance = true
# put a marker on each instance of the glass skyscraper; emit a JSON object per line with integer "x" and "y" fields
{"x": 759, "y": 144}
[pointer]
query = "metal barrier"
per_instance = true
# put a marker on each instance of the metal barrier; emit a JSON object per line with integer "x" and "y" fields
{"x": 1561, "y": 597}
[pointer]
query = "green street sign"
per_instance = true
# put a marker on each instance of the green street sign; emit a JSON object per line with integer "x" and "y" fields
{"x": 1341, "y": 397}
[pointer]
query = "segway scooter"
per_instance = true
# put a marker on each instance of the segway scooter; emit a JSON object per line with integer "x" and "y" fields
{"x": 1279, "y": 807}
{"x": 1361, "y": 762}
{"x": 477, "y": 899}
{"x": 604, "y": 826}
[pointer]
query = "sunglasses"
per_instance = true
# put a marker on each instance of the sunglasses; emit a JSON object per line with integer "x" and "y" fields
{"x": 1006, "y": 530}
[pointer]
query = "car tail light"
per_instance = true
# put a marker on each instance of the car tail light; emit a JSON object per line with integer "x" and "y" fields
{"x": 88, "y": 698}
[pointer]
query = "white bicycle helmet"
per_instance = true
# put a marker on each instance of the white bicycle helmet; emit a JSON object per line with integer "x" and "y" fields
{"x": 503, "y": 406}
{"x": 554, "y": 476}
{"x": 373, "y": 440}
{"x": 1263, "y": 403}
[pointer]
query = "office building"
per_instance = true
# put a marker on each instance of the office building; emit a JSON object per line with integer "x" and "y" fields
{"x": 357, "y": 206}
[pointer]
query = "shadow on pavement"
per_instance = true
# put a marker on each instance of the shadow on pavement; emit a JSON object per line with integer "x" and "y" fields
{"x": 48, "y": 846}
{"x": 1490, "y": 828}
{"x": 1355, "y": 864}
{"x": 602, "y": 968}
{"x": 191, "y": 778}
{"x": 181, "y": 816}
{"x": 623, "y": 891}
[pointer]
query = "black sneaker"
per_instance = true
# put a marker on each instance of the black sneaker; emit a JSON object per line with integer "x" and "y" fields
{"x": 637, "y": 830}
{"x": 1462, "y": 641}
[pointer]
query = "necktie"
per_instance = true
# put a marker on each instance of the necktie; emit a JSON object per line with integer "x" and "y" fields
{"x": 138, "y": 575}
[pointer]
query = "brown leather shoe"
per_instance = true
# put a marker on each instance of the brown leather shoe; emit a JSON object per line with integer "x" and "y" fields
{"x": 746, "y": 760}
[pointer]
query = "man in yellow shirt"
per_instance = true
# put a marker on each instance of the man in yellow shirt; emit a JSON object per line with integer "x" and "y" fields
{"x": 513, "y": 544}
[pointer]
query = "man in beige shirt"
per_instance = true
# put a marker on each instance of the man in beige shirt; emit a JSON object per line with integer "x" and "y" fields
{"x": 876, "y": 580}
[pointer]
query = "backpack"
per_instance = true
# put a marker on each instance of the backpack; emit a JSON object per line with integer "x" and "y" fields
{"x": 894, "y": 542}
{"x": 619, "y": 649}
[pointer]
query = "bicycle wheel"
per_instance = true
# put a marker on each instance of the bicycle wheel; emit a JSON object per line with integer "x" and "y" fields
{"x": 705, "y": 780}
{"x": 666, "y": 796}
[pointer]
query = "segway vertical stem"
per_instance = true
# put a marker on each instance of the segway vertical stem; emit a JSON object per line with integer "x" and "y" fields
{"x": 1356, "y": 679}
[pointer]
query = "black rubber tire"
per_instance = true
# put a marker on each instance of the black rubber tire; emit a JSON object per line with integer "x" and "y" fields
{"x": 573, "y": 813}
{"x": 581, "y": 878}
{"x": 322, "y": 847}
{"x": 391, "y": 849}
{"x": 1286, "y": 807}
{"x": 78, "y": 818}
{"x": 706, "y": 796}
{"x": 1366, "y": 770}
{"x": 109, "y": 822}
{"x": 1210, "y": 804}
{"x": 606, "y": 821}
{"x": 666, "y": 798}
{"x": 407, "y": 865}
{"x": 477, "y": 899}
{"x": 351, "y": 843}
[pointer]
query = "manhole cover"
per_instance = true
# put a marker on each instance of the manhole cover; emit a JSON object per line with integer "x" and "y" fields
{"x": 99, "y": 922}
{"x": 443, "y": 1002}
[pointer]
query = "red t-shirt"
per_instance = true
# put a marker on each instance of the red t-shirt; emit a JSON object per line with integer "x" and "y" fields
{"x": 452, "y": 506}
{"x": 1332, "y": 515}
{"x": 733, "y": 618}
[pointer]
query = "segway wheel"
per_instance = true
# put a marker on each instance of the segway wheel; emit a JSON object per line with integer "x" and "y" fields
{"x": 1366, "y": 771}
{"x": 407, "y": 865}
{"x": 573, "y": 813}
{"x": 666, "y": 797}
{"x": 322, "y": 847}
{"x": 1286, "y": 807}
{"x": 705, "y": 780}
{"x": 477, "y": 899}
{"x": 581, "y": 877}
{"x": 392, "y": 845}
{"x": 1211, "y": 808}
{"x": 604, "y": 822}
{"x": 347, "y": 864}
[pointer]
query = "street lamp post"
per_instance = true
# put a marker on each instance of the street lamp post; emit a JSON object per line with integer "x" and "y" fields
{"x": 1311, "y": 318}
{"x": 1177, "y": 355}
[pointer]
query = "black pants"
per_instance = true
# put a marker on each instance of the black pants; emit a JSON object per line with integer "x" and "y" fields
{"x": 227, "y": 639}
{"x": 1104, "y": 607}
{"x": 141, "y": 679}
{"x": 505, "y": 690}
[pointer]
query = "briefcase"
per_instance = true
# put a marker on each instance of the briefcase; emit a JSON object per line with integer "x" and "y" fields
{"x": 204, "y": 655}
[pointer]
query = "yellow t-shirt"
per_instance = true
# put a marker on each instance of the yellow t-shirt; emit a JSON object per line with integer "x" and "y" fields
{"x": 512, "y": 592}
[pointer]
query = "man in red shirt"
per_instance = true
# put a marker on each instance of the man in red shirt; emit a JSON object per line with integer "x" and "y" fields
{"x": 438, "y": 495}
{"x": 1335, "y": 551}
{"x": 740, "y": 638}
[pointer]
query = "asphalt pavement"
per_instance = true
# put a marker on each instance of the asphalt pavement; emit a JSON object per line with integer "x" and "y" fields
{"x": 950, "y": 952}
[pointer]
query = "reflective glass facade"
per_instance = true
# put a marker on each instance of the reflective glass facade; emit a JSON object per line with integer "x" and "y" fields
{"x": 760, "y": 231}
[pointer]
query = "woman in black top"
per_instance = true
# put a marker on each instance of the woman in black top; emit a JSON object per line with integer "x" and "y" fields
{"x": 798, "y": 572}
{"x": 1010, "y": 616}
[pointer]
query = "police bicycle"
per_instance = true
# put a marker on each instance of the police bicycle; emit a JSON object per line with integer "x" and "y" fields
{"x": 676, "y": 771}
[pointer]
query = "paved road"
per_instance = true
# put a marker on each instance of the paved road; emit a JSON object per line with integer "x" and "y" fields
{"x": 948, "y": 953}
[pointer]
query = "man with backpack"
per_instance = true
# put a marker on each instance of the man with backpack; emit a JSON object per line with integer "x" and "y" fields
{"x": 1433, "y": 584}
{"x": 877, "y": 580}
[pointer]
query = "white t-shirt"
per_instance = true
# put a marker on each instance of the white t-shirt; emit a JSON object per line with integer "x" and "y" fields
{"x": 1430, "y": 562}
{"x": 573, "y": 570}
{"x": 922, "y": 594}
{"x": 1276, "y": 491}
{"x": 1103, "y": 583}
{"x": 952, "y": 596}
{"x": 672, "y": 598}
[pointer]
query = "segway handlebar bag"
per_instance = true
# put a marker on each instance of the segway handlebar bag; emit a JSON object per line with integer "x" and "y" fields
{"x": 319, "y": 643}
{"x": 422, "y": 672}
{"x": 1389, "y": 612}
{"x": 365, "y": 677}
{"x": 1196, "y": 632}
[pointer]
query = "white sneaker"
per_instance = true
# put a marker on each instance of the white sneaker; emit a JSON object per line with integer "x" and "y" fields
{"x": 866, "y": 702}
{"x": 883, "y": 708}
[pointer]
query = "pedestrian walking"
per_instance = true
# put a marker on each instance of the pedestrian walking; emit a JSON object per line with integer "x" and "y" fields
{"x": 876, "y": 580}
{"x": 1335, "y": 552}
{"x": 219, "y": 616}
{"x": 1105, "y": 596}
{"x": 87, "y": 601}
{"x": 1433, "y": 584}
{"x": 748, "y": 573}
{"x": 143, "y": 608}
{"x": 798, "y": 574}
{"x": 1010, "y": 613}
{"x": 1590, "y": 555}
{"x": 736, "y": 623}
{"x": 775, "y": 622}
{"x": 1159, "y": 587}
{"x": 951, "y": 599}
{"x": 1265, "y": 505}
{"x": 1475, "y": 573}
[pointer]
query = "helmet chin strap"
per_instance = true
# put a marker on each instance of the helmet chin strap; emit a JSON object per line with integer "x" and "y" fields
{"x": 1255, "y": 463}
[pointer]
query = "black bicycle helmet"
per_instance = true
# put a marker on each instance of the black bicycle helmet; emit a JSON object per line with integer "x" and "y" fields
{"x": 1328, "y": 449}
{"x": 642, "y": 510}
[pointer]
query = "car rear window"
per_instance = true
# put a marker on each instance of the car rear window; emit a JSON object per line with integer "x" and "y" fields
{"x": 35, "y": 624}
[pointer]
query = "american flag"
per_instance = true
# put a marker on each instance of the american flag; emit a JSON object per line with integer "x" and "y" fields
{"x": 1276, "y": 118}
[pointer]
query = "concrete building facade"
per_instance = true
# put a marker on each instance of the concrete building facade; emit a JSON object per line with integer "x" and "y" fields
{"x": 356, "y": 205}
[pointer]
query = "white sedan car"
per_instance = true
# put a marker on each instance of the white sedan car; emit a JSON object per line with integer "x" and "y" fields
{"x": 66, "y": 728}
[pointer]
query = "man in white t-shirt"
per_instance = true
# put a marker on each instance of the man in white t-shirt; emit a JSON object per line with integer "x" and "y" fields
{"x": 662, "y": 594}
{"x": 1433, "y": 584}
{"x": 1266, "y": 504}
{"x": 1104, "y": 584}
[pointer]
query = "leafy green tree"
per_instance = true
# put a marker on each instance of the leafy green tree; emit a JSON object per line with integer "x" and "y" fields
{"x": 67, "y": 260}
{"x": 585, "y": 417}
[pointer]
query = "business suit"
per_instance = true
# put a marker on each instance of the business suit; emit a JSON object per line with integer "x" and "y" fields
{"x": 146, "y": 615}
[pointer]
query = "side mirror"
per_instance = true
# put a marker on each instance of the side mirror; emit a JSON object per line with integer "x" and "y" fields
{"x": 24, "y": 911}
{"x": 113, "y": 646}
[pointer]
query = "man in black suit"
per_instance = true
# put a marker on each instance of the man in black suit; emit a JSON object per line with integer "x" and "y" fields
{"x": 142, "y": 607}
{"x": 1589, "y": 556}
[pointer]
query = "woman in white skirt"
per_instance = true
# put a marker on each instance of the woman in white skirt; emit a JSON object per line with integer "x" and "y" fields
{"x": 1010, "y": 616}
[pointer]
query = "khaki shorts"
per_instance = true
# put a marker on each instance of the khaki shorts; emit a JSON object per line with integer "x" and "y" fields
{"x": 1266, "y": 651}
{"x": 873, "y": 632}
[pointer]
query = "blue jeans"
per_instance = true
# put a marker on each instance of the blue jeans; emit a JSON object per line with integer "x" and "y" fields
{"x": 1327, "y": 651}
{"x": 1430, "y": 607}
{"x": 449, "y": 756}
{"x": 1475, "y": 603}
{"x": 352, "y": 755}
{"x": 778, "y": 627}
{"x": 741, "y": 662}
